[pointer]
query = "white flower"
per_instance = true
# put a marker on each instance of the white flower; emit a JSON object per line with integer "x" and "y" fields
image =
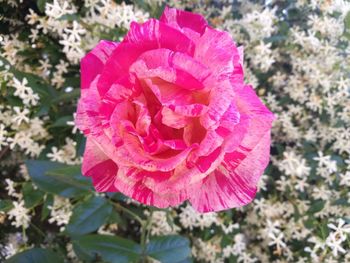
{"x": 160, "y": 225}
{"x": 344, "y": 177}
{"x": 55, "y": 155}
{"x": 21, "y": 87}
{"x": 72, "y": 123}
{"x": 61, "y": 211}
{"x": 293, "y": 164}
{"x": 75, "y": 31}
{"x": 34, "y": 35}
{"x": 341, "y": 229}
{"x": 58, "y": 9}
{"x": 21, "y": 116}
{"x": 3, "y": 132}
{"x": 190, "y": 218}
{"x": 20, "y": 214}
{"x": 10, "y": 187}
{"x": 277, "y": 240}
{"x": 335, "y": 244}
{"x": 32, "y": 17}
{"x": 24, "y": 92}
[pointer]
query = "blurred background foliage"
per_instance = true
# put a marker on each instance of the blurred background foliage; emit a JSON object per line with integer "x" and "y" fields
{"x": 297, "y": 58}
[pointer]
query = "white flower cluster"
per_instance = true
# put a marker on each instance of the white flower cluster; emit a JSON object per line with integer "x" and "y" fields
{"x": 60, "y": 212}
{"x": 19, "y": 214}
{"x": 67, "y": 154}
{"x": 28, "y": 131}
{"x": 110, "y": 14}
{"x": 206, "y": 251}
{"x": 101, "y": 15}
{"x": 14, "y": 243}
{"x": 162, "y": 223}
{"x": 24, "y": 92}
{"x": 190, "y": 218}
{"x": 338, "y": 236}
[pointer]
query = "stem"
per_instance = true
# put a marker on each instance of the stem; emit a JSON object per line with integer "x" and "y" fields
{"x": 38, "y": 229}
{"x": 24, "y": 237}
{"x": 2, "y": 153}
{"x": 145, "y": 224}
{"x": 144, "y": 235}
{"x": 127, "y": 211}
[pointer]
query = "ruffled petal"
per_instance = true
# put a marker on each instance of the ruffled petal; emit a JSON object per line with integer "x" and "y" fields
{"x": 159, "y": 35}
{"x": 260, "y": 117}
{"x": 229, "y": 120}
{"x": 220, "y": 99}
{"x": 131, "y": 149}
{"x": 182, "y": 19}
{"x": 133, "y": 182}
{"x": 117, "y": 65}
{"x": 92, "y": 64}
{"x": 97, "y": 165}
{"x": 216, "y": 50}
{"x": 90, "y": 122}
{"x": 174, "y": 120}
{"x": 175, "y": 67}
{"x": 233, "y": 183}
{"x": 87, "y": 119}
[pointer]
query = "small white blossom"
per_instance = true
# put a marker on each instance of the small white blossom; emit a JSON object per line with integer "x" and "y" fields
{"x": 21, "y": 116}
{"x": 20, "y": 214}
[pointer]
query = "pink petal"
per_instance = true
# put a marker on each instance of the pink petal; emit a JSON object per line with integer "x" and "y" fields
{"x": 92, "y": 64}
{"x": 168, "y": 93}
{"x": 117, "y": 66}
{"x": 182, "y": 19}
{"x": 174, "y": 120}
{"x": 194, "y": 132}
{"x": 133, "y": 182}
{"x": 233, "y": 184}
{"x": 89, "y": 121}
{"x": 97, "y": 165}
{"x": 175, "y": 144}
{"x": 178, "y": 68}
{"x": 230, "y": 118}
{"x": 220, "y": 99}
{"x": 132, "y": 152}
{"x": 159, "y": 35}
{"x": 209, "y": 143}
{"x": 204, "y": 162}
{"x": 260, "y": 117}
{"x": 216, "y": 50}
{"x": 143, "y": 121}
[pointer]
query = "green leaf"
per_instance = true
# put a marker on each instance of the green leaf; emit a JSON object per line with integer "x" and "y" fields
{"x": 67, "y": 96}
{"x": 58, "y": 178}
{"x": 89, "y": 216}
{"x": 5, "y": 205}
{"x": 71, "y": 175}
{"x": 36, "y": 255}
{"x": 347, "y": 25}
{"x": 69, "y": 17}
{"x": 341, "y": 202}
{"x": 111, "y": 249}
{"x": 170, "y": 249}
{"x": 41, "y": 5}
{"x": 31, "y": 196}
{"x": 347, "y": 21}
{"x": 61, "y": 122}
{"x": 316, "y": 206}
{"x": 45, "y": 211}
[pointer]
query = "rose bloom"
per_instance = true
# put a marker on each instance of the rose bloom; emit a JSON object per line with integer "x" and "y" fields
{"x": 168, "y": 117}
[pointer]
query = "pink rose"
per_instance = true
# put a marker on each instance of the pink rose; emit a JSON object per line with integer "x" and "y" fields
{"x": 168, "y": 117}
